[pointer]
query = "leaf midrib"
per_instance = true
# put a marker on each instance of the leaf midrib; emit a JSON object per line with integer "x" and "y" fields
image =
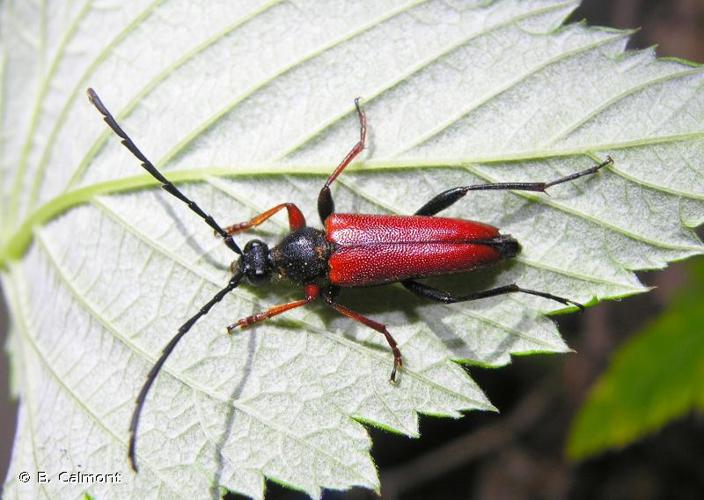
{"x": 15, "y": 245}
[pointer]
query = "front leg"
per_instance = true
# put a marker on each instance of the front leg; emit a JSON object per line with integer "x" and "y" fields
{"x": 312, "y": 293}
{"x": 296, "y": 220}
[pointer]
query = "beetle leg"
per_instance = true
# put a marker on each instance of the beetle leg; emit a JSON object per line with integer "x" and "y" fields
{"x": 326, "y": 205}
{"x": 329, "y": 296}
{"x": 312, "y": 293}
{"x": 437, "y": 295}
{"x": 450, "y": 196}
{"x": 296, "y": 220}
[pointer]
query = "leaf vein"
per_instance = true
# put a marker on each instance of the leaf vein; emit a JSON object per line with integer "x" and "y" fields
{"x": 613, "y": 101}
{"x": 464, "y": 112}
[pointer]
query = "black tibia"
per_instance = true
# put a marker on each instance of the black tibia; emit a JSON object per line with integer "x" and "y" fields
{"x": 438, "y": 295}
{"x": 151, "y": 377}
{"x": 450, "y": 196}
{"x": 326, "y": 205}
{"x": 442, "y": 201}
{"x": 330, "y": 297}
{"x": 166, "y": 184}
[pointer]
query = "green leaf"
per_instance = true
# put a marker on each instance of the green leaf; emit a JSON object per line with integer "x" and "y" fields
{"x": 654, "y": 378}
{"x": 248, "y": 104}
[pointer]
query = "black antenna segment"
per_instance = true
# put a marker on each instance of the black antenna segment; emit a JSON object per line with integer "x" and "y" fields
{"x": 166, "y": 184}
{"x": 154, "y": 372}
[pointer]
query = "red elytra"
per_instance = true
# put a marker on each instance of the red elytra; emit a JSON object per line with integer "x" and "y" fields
{"x": 377, "y": 249}
{"x": 354, "y": 250}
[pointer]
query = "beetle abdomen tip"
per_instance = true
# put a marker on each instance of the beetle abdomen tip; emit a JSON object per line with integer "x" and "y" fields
{"x": 507, "y": 246}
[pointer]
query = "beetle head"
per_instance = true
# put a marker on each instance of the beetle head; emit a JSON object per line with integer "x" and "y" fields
{"x": 255, "y": 262}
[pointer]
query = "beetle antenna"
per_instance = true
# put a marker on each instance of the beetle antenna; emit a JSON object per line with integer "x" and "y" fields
{"x": 151, "y": 377}
{"x": 166, "y": 184}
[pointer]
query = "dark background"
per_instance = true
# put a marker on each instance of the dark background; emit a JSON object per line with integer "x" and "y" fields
{"x": 519, "y": 454}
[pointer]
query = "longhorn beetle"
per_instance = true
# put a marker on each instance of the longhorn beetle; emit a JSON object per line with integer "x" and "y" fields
{"x": 353, "y": 250}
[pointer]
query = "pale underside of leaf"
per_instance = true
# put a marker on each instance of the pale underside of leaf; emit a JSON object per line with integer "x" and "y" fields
{"x": 254, "y": 101}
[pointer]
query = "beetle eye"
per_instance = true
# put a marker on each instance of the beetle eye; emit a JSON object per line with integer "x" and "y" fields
{"x": 253, "y": 245}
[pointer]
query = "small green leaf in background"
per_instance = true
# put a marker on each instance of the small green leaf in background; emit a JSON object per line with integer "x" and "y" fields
{"x": 654, "y": 378}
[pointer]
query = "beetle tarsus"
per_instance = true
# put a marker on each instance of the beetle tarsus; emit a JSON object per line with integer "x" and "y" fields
{"x": 248, "y": 321}
{"x": 398, "y": 365}
{"x": 589, "y": 171}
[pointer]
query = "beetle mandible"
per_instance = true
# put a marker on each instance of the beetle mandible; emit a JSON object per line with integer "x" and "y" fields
{"x": 353, "y": 250}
